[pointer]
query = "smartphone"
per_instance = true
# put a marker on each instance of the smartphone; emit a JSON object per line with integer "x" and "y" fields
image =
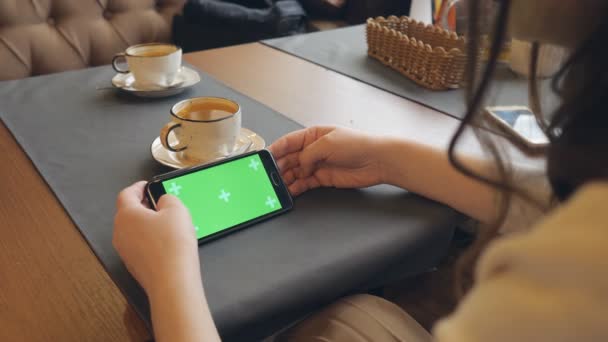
{"x": 520, "y": 124}
{"x": 228, "y": 195}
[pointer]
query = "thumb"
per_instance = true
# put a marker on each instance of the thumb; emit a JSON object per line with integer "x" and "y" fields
{"x": 312, "y": 154}
{"x": 169, "y": 201}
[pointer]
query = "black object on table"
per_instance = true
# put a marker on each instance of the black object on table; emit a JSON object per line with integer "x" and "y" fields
{"x": 90, "y": 144}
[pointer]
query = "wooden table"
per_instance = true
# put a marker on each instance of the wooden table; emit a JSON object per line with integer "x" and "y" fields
{"x": 52, "y": 287}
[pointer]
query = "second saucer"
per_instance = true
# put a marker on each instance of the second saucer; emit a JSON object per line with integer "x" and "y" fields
{"x": 185, "y": 79}
{"x": 247, "y": 141}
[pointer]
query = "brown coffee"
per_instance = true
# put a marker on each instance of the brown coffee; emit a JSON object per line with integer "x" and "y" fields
{"x": 206, "y": 111}
{"x": 154, "y": 51}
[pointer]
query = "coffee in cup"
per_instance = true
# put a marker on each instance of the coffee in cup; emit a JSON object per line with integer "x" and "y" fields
{"x": 205, "y": 128}
{"x": 152, "y": 65}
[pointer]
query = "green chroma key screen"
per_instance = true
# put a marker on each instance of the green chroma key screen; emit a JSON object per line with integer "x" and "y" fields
{"x": 225, "y": 195}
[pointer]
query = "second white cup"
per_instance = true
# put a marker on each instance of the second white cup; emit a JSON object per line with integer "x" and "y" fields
{"x": 152, "y": 65}
{"x": 550, "y": 58}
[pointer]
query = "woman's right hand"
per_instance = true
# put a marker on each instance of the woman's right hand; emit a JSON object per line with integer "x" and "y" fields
{"x": 328, "y": 156}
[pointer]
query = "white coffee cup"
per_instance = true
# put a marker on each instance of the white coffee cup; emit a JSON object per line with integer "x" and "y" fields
{"x": 152, "y": 65}
{"x": 550, "y": 58}
{"x": 204, "y": 127}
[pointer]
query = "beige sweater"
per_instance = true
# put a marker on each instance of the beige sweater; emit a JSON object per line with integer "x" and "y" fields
{"x": 547, "y": 284}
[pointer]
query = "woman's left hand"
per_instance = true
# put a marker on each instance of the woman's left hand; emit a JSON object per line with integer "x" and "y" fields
{"x": 154, "y": 245}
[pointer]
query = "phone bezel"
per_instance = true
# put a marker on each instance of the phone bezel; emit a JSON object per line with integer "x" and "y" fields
{"x": 525, "y": 144}
{"x": 154, "y": 189}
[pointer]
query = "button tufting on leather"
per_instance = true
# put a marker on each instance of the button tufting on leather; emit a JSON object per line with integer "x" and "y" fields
{"x": 91, "y": 33}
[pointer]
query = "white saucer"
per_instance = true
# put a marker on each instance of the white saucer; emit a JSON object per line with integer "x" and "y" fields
{"x": 185, "y": 79}
{"x": 247, "y": 141}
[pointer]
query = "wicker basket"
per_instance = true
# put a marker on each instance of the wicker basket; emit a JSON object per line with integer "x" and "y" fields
{"x": 426, "y": 54}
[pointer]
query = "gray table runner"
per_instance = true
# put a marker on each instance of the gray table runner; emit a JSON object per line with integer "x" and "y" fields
{"x": 89, "y": 144}
{"x": 345, "y": 51}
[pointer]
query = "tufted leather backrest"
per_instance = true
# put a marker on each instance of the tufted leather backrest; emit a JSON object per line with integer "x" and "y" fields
{"x": 45, "y": 36}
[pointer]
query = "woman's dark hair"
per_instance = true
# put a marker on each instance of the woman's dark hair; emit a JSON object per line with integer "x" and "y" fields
{"x": 577, "y": 130}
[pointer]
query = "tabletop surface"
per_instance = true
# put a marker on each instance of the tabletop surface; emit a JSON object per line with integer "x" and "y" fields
{"x": 58, "y": 290}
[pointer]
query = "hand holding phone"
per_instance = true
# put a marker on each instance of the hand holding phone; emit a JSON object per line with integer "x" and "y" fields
{"x": 228, "y": 195}
{"x": 150, "y": 243}
{"x": 160, "y": 250}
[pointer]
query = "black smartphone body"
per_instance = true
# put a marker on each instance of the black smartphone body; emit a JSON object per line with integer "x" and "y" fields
{"x": 228, "y": 195}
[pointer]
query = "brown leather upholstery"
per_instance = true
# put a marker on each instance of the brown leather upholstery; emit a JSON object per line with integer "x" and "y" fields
{"x": 45, "y": 36}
